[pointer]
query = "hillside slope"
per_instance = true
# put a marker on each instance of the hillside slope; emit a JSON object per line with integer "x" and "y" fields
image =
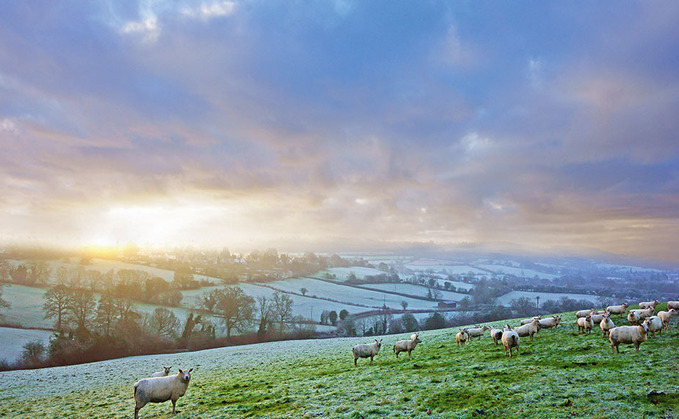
{"x": 561, "y": 374}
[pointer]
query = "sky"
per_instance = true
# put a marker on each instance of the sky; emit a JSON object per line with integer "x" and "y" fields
{"x": 529, "y": 125}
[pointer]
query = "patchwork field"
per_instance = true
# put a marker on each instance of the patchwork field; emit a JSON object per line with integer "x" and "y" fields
{"x": 13, "y": 340}
{"x": 413, "y": 289}
{"x": 544, "y": 296}
{"x": 559, "y": 375}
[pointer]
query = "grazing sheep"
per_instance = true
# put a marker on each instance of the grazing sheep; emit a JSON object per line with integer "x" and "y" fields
{"x": 476, "y": 332}
{"x": 164, "y": 373}
{"x": 407, "y": 345}
{"x": 161, "y": 389}
{"x": 366, "y": 350}
{"x": 648, "y": 304}
{"x": 584, "y": 325}
{"x": 606, "y": 324}
{"x": 550, "y": 322}
{"x": 673, "y": 304}
{"x": 621, "y": 309}
{"x": 627, "y": 335}
{"x": 529, "y": 329}
{"x": 635, "y": 317}
{"x": 596, "y": 318}
{"x": 665, "y": 316}
{"x": 510, "y": 339}
{"x": 461, "y": 337}
{"x": 583, "y": 313}
{"x": 654, "y": 324}
{"x": 495, "y": 334}
{"x": 526, "y": 321}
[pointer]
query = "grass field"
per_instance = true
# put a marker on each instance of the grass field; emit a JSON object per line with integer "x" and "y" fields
{"x": 544, "y": 296}
{"x": 560, "y": 375}
{"x": 13, "y": 340}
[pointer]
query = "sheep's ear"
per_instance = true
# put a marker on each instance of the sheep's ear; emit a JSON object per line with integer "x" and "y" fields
{"x": 181, "y": 371}
{"x": 190, "y": 370}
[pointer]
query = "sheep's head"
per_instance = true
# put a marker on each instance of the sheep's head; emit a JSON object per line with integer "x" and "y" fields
{"x": 379, "y": 343}
{"x": 185, "y": 375}
{"x": 167, "y": 370}
{"x": 672, "y": 311}
{"x": 417, "y": 339}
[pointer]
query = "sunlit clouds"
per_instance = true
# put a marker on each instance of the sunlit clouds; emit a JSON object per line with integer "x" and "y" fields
{"x": 347, "y": 124}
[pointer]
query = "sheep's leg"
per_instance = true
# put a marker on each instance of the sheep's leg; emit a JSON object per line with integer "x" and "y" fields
{"x": 174, "y": 402}
{"x": 136, "y": 412}
{"x": 355, "y": 361}
{"x": 371, "y": 359}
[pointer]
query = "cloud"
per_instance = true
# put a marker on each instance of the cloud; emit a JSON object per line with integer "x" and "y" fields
{"x": 209, "y": 11}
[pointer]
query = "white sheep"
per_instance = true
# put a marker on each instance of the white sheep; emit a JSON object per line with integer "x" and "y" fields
{"x": 495, "y": 334}
{"x": 637, "y": 316}
{"x": 627, "y": 335}
{"x": 550, "y": 322}
{"x": 583, "y": 313}
{"x": 366, "y": 350}
{"x": 665, "y": 316}
{"x": 476, "y": 332}
{"x": 526, "y": 321}
{"x": 161, "y": 389}
{"x": 621, "y": 309}
{"x": 461, "y": 337}
{"x": 407, "y": 345}
{"x": 510, "y": 339}
{"x": 597, "y": 317}
{"x": 647, "y": 304}
{"x": 606, "y": 324}
{"x": 584, "y": 324}
{"x": 164, "y": 373}
{"x": 529, "y": 329}
{"x": 654, "y": 324}
{"x": 673, "y": 304}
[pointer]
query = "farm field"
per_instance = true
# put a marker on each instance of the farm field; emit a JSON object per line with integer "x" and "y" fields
{"x": 516, "y": 271}
{"x": 12, "y": 341}
{"x": 26, "y": 306}
{"x": 413, "y": 289}
{"x": 451, "y": 269}
{"x": 506, "y": 299}
{"x": 559, "y": 375}
{"x": 342, "y": 274}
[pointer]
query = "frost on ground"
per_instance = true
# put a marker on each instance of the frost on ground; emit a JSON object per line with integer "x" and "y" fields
{"x": 57, "y": 381}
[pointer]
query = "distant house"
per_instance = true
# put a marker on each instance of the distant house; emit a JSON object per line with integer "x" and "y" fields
{"x": 447, "y": 304}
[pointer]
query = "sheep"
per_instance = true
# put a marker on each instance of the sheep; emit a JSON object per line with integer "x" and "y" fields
{"x": 621, "y": 309}
{"x": 550, "y": 322}
{"x": 476, "y": 332}
{"x": 367, "y": 350}
{"x": 510, "y": 339}
{"x": 654, "y": 324}
{"x": 527, "y": 321}
{"x": 529, "y": 329}
{"x": 673, "y": 304}
{"x": 495, "y": 334}
{"x": 627, "y": 335}
{"x": 407, "y": 345}
{"x": 637, "y": 316}
{"x": 161, "y": 389}
{"x": 583, "y": 313}
{"x": 647, "y": 304}
{"x": 606, "y": 324}
{"x": 461, "y": 337}
{"x": 665, "y": 316}
{"x": 164, "y": 373}
{"x": 597, "y": 317}
{"x": 584, "y": 324}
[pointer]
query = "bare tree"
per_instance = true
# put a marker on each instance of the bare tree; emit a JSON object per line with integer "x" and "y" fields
{"x": 164, "y": 322}
{"x": 56, "y": 304}
{"x": 107, "y": 315}
{"x": 81, "y": 310}
{"x": 38, "y": 272}
{"x": 281, "y": 309}
{"x": 234, "y": 307}
{"x": 264, "y": 312}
